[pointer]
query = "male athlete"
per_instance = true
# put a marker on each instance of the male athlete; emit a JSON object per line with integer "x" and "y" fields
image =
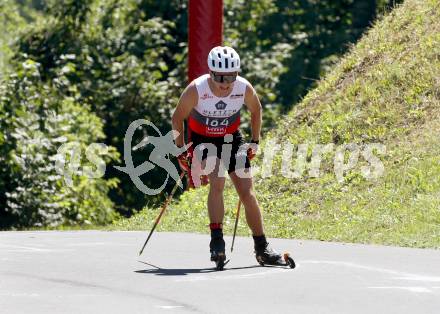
{"x": 211, "y": 104}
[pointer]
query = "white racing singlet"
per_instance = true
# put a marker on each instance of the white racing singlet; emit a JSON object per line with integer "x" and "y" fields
{"x": 216, "y": 116}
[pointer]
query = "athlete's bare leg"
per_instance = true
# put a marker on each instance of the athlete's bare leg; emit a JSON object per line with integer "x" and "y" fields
{"x": 216, "y": 207}
{"x": 244, "y": 188}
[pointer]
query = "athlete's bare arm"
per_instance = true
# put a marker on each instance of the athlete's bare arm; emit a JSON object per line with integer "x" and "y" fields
{"x": 187, "y": 101}
{"x": 252, "y": 102}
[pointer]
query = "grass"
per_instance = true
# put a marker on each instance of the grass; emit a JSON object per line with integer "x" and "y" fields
{"x": 385, "y": 90}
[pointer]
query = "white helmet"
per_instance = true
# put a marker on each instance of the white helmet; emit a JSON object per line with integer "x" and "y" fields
{"x": 223, "y": 59}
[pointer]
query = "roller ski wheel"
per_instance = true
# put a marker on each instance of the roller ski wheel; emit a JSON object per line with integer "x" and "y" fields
{"x": 219, "y": 259}
{"x": 265, "y": 255}
{"x": 285, "y": 260}
{"x": 289, "y": 260}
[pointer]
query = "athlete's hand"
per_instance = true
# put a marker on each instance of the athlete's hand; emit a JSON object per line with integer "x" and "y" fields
{"x": 204, "y": 179}
{"x": 184, "y": 160}
{"x": 253, "y": 149}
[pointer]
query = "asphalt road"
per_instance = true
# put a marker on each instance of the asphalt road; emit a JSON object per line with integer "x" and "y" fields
{"x": 100, "y": 272}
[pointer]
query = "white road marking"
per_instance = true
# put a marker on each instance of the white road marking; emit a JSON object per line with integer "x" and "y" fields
{"x": 19, "y": 294}
{"x": 410, "y": 289}
{"x": 169, "y": 307}
{"x": 420, "y": 278}
{"x": 67, "y": 295}
{"x": 25, "y": 248}
{"x": 89, "y": 244}
{"x": 228, "y": 277}
{"x": 398, "y": 275}
{"x": 401, "y": 275}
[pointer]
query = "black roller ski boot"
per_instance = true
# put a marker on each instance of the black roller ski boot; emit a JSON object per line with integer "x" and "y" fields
{"x": 217, "y": 248}
{"x": 265, "y": 255}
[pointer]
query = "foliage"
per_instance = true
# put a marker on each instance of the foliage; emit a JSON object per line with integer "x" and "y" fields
{"x": 15, "y": 15}
{"x": 288, "y": 45}
{"x": 35, "y": 121}
{"x": 386, "y": 90}
{"x": 10, "y": 22}
{"x": 125, "y": 60}
{"x": 120, "y": 59}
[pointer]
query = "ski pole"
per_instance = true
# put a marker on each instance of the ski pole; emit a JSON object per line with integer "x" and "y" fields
{"x": 236, "y": 223}
{"x": 163, "y": 210}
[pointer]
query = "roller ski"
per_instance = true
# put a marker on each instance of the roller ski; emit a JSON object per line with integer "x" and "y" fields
{"x": 265, "y": 255}
{"x": 217, "y": 249}
{"x": 219, "y": 258}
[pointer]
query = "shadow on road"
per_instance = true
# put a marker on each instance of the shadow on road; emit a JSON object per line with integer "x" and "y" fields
{"x": 184, "y": 271}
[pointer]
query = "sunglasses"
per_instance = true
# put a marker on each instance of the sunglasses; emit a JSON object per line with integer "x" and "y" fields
{"x": 223, "y": 78}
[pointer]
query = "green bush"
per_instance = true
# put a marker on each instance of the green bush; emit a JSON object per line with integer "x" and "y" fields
{"x": 121, "y": 60}
{"x": 35, "y": 121}
{"x": 385, "y": 91}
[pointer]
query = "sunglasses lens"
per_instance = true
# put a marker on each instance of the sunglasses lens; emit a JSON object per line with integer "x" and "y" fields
{"x": 219, "y": 78}
{"x": 229, "y": 78}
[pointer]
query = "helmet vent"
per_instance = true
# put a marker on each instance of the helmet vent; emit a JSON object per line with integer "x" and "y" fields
{"x": 223, "y": 59}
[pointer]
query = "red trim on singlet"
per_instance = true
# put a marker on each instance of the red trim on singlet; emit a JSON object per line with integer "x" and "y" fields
{"x": 202, "y": 129}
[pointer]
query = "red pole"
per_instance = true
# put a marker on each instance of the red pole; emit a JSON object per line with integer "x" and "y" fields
{"x": 205, "y": 32}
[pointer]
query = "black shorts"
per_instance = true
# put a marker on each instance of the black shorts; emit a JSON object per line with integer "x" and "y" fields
{"x": 236, "y": 159}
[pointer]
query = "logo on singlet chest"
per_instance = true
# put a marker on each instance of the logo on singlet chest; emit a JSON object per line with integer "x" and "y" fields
{"x": 221, "y": 105}
{"x": 206, "y": 96}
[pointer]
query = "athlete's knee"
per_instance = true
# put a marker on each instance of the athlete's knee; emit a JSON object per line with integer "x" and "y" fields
{"x": 217, "y": 186}
{"x": 246, "y": 194}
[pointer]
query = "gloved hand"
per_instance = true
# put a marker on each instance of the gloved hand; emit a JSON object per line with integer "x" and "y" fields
{"x": 184, "y": 160}
{"x": 252, "y": 150}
